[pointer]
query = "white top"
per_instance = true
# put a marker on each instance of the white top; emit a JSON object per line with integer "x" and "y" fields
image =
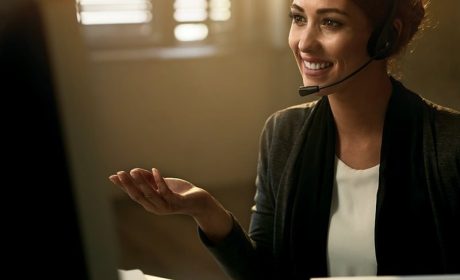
{"x": 351, "y": 248}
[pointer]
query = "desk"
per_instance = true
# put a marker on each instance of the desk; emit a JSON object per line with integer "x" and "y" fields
{"x": 137, "y": 274}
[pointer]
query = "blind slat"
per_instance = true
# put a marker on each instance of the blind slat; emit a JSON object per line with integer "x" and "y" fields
{"x": 93, "y": 12}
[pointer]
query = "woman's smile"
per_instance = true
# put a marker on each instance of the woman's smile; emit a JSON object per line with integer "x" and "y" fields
{"x": 313, "y": 67}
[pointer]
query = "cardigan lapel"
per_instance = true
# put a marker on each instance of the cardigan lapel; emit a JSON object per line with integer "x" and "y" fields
{"x": 286, "y": 183}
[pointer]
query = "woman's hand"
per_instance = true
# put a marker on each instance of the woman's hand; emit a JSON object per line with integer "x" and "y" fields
{"x": 160, "y": 195}
{"x": 164, "y": 196}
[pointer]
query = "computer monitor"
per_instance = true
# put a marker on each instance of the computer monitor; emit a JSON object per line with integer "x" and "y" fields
{"x": 58, "y": 222}
{"x": 396, "y": 277}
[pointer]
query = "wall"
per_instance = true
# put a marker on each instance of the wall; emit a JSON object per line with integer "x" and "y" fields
{"x": 196, "y": 118}
{"x": 200, "y": 118}
{"x": 433, "y": 67}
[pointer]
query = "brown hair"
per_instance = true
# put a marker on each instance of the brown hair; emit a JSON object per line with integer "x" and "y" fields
{"x": 411, "y": 13}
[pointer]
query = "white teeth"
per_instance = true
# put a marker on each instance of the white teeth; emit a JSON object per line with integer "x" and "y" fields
{"x": 316, "y": 66}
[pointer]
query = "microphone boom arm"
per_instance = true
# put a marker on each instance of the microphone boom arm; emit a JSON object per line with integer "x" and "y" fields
{"x": 307, "y": 90}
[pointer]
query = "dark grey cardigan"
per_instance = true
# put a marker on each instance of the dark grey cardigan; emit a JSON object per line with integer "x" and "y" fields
{"x": 257, "y": 255}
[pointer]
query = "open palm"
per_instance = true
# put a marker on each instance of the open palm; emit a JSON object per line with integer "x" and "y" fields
{"x": 161, "y": 195}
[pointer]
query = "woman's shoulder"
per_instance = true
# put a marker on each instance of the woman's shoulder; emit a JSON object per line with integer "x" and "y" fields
{"x": 290, "y": 118}
{"x": 446, "y": 120}
{"x": 442, "y": 120}
{"x": 283, "y": 127}
{"x": 444, "y": 126}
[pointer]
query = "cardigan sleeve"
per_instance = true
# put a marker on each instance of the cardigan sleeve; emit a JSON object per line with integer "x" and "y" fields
{"x": 442, "y": 160}
{"x": 243, "y": 256}
{"x": 249, "y": 256}
{"x": 235, "y": 254}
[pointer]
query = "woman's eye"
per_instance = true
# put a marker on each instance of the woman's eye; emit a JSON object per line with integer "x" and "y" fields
{"x": 297, "y": 19}
{"x": 331, "y": 23}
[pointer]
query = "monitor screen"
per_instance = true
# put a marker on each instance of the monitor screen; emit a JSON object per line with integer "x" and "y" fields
{"x": 57, "y": 220}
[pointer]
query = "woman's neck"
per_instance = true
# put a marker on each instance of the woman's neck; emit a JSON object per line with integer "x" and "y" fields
{"x": 359, "y": 113}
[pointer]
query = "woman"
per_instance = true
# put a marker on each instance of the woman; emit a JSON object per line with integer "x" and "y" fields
{"x": 364, "y": 181}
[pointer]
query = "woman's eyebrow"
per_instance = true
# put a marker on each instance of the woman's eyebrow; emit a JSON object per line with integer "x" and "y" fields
{"x": 331, "y": 10}
{"x": 297, "y": 7}
{"x": 321, "y": 11}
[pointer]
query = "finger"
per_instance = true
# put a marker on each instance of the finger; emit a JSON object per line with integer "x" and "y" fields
{"x": 148, "y": 177}
{"x": 134, "y": 192}
{"x": 146, "y": 187}
{"x": 160, "y": 182}
{"x": 116, "y": 181}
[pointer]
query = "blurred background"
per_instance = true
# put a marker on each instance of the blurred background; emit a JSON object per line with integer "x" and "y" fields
{"x": 185, "y": 86}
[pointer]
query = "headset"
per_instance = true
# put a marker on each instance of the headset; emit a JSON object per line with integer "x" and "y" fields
{"x": 384, "y": 38}
{"x": 380, "y": 45}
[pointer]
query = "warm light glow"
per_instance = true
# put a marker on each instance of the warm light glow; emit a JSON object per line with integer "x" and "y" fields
{"x": 220, "y": 15}
{"x": 197, "y": 10}
{"x": 184, "y": 15}
{"x": 92, "y": 18}
{"x": 93, "y": 12}
{"x": 189, "y": 10}
{"x": 220, "y": 10}
{"x": 191, "y": 32}
{"x": 190, "y": 4}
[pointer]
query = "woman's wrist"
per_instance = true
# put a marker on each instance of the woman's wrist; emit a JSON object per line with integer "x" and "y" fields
{"x": 214, "y": 220}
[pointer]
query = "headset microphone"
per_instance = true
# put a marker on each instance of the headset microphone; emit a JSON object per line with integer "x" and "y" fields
{"x": 307, "y": 90}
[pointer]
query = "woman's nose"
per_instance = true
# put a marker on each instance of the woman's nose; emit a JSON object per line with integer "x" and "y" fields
{"x": 308, "y": 40}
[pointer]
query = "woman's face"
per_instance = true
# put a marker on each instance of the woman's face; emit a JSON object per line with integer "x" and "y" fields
{"x": 328, "y": 38}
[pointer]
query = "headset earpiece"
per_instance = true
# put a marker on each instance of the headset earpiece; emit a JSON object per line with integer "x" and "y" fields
{"x": 383, "y": 38}
{"x": 381, "y": 43}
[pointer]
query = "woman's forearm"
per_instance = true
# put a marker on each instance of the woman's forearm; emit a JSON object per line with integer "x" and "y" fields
{"x": 214, "y": 220}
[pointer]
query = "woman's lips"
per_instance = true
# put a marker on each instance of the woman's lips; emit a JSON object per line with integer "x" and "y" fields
{"x": 315, "y": 67}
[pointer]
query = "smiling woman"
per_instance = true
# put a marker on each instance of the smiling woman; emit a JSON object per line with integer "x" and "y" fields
{"x": 363, "y": 181}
